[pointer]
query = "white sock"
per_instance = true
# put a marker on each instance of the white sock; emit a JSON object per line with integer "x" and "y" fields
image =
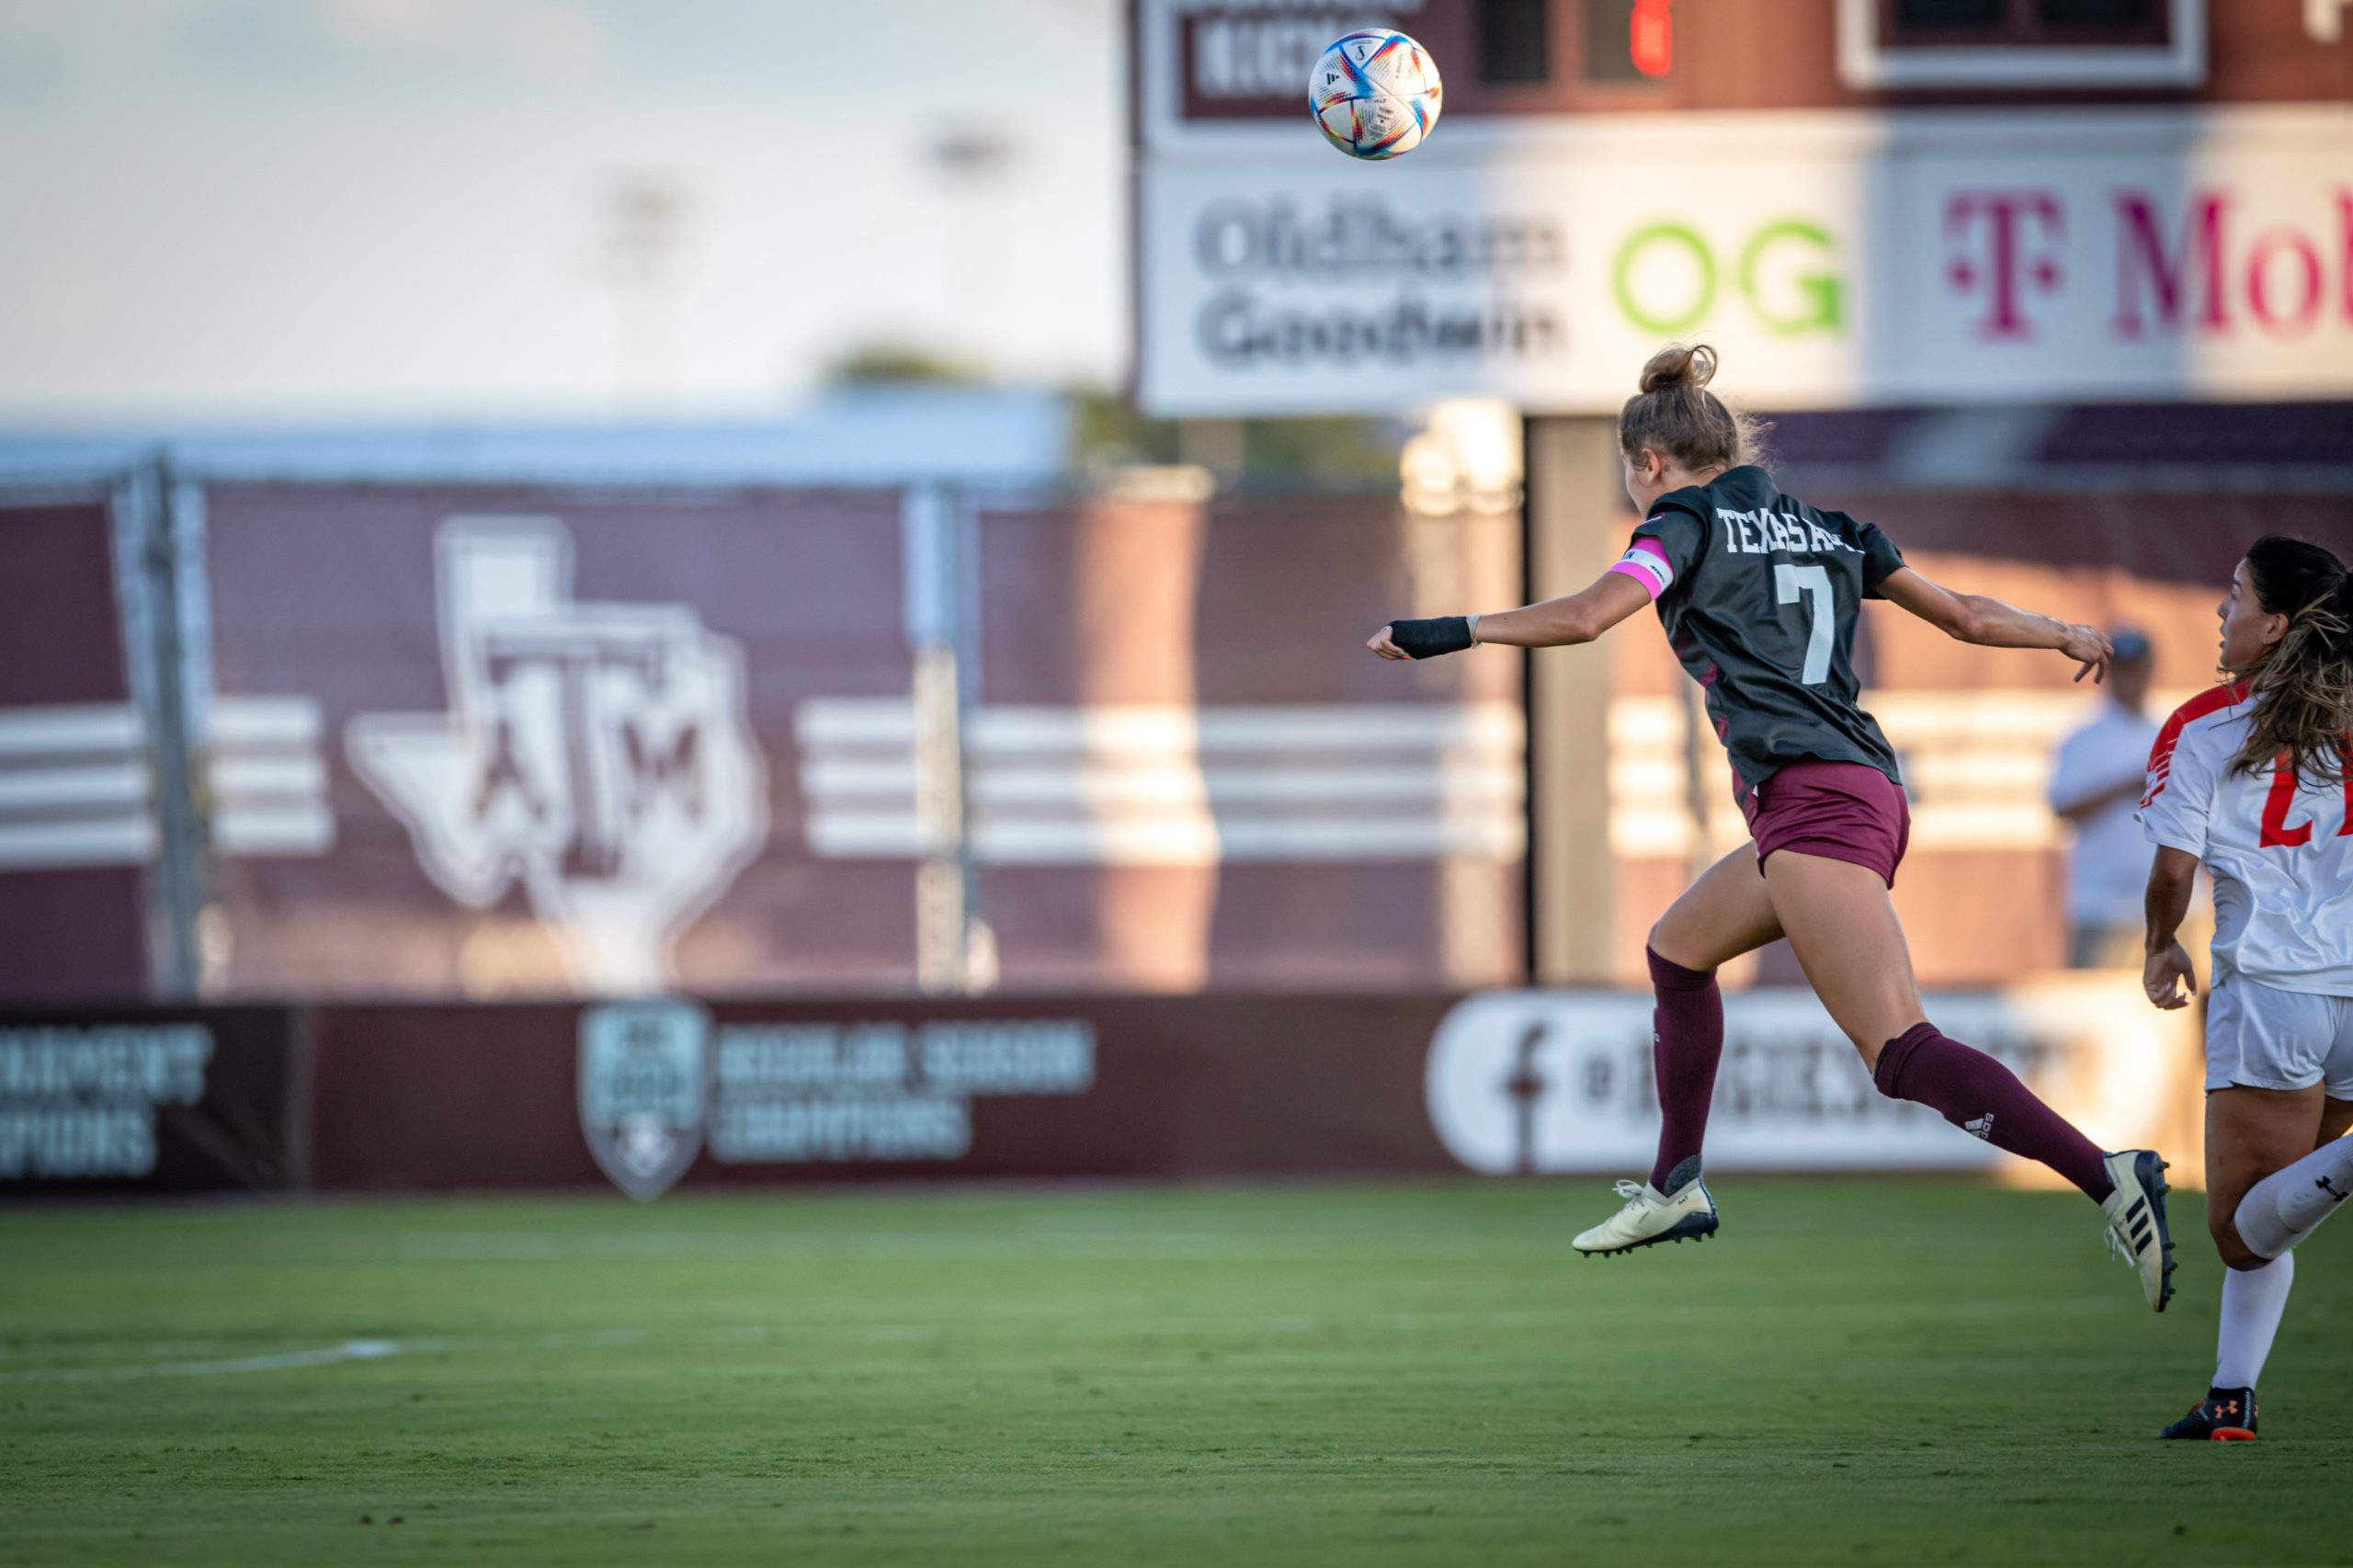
{"x": 2253, "y": 1299}
{"x": 2288, "y": 1205}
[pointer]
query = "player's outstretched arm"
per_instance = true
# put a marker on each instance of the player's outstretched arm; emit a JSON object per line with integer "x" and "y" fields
{"x": 2165, "y": 971}
{"x": 1989, "y": 623}
{"x": 1556, "y": 623}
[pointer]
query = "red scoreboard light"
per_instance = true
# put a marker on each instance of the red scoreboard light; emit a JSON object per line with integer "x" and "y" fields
{"x": 1628, "y": 42}
{"x": 1650, "y": 37}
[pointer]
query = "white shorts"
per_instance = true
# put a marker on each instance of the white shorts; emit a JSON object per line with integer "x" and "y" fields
{"x": 2258, "y": 1037}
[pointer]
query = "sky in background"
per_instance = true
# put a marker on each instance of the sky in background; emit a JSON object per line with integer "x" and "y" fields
{"x": 290, "y": 210}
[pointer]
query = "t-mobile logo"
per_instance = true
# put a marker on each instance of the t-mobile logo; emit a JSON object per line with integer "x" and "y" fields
{"x": 2001, "y": 247}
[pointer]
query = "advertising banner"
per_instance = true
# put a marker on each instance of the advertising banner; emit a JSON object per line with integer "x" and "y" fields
{"x": 1560, "y": 1081}
{"x": 479, "y": 743}
{"x": 1836, "y": 259}
{"x": 148, "y": 1100}
{"x": 652, "y": 1094}
{"x": 645, "y": 1094}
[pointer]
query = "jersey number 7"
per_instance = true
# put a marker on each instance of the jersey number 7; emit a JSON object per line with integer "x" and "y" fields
{"x": 1788, "y": 582}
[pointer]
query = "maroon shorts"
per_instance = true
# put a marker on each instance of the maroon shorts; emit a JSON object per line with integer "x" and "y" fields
{"x": 1841, "y": 811}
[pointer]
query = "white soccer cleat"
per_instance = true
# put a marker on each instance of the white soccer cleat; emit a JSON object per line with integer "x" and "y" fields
{"x": 1650, "y": 1217}
{"x": 2137, "y": 1231}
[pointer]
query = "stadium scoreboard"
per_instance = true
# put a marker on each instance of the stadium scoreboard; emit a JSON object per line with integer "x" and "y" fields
{"x": 1855, "y": 210}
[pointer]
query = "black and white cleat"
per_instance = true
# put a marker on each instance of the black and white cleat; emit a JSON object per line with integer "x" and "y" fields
{"x": 2137, "y": 1231}
{"x": 1649, "y": 1217}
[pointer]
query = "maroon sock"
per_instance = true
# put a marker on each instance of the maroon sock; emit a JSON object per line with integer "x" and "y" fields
{"x": 1687, "y": 1041}
{"x": 1979, "y": 1095}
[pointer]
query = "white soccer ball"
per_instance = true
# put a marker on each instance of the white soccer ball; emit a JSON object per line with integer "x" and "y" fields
{"x": 1374, "y": 94}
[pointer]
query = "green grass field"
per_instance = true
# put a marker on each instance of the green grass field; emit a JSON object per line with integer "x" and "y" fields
{"x": 1892, "y": 1372}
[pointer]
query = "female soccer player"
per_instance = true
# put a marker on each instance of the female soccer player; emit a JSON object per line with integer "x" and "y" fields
{"x": 2255, "y": 779}
{"x": 1759, "y": 594}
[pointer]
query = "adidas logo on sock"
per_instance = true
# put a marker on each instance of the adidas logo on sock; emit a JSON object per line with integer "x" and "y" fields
{"x": 1981, "y": 1128}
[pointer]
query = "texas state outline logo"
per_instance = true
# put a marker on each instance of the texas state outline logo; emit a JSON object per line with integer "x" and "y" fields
{"x": 599, "y": 755}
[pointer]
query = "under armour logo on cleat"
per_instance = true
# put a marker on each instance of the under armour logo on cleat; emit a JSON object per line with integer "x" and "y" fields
{"x": 2322, "y": 1183}
{"x": 1981, "y": 1128}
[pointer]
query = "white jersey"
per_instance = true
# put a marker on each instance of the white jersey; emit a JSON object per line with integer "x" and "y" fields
{"x": 2109, "y": 864}
{"x": 2282, "y": 855}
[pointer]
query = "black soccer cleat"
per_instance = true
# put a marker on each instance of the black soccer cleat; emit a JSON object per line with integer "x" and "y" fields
{"x": 2225, "y": 1415}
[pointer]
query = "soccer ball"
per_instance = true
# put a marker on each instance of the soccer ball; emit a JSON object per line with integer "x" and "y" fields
{"x": 1374, "y": 94}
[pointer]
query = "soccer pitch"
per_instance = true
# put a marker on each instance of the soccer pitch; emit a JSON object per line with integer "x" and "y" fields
{"x": 1855, "y": 1371}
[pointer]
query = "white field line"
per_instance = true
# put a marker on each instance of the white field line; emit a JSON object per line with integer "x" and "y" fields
{"x": 326, "y": 1356}
{"x": 349, "y": 1350}
{"x": 789, "y": 1335}
{"x": 352, "y": 1351}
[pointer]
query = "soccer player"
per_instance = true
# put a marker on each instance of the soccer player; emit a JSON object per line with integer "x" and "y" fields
{"x": 1759, "y": 594}
{"x": 2253, "y": 779}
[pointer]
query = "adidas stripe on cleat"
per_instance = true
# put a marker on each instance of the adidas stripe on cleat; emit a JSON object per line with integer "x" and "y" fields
{"x": 2137, "y": 1231}
{"x": 1649, "y": 1217}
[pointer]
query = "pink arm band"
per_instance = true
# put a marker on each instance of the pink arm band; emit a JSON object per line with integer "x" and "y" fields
{"x": 1653, "y": 575}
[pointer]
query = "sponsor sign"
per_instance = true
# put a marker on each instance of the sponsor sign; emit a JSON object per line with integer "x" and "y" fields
{"x": 659, "y": 1085}
{"x": 1904, "y": 258}
{"x": 646, "y": 1093}
{"x": 82, "y": 1101}
{"x": 1239, "y": 60}
{"x": 145, "y": 1101}
{"x": 1562, "y": 1081}
{"x": 882, "y": 1089}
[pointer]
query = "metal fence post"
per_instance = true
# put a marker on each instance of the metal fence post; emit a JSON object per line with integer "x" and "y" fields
{"x": 148, "y": 554}
{"x": 934, "y": 540}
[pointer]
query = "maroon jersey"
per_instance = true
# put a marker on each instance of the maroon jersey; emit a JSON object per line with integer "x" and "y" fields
{"x": 1759, "y": 594}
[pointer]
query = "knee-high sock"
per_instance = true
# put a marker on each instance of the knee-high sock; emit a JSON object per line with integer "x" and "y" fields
{"x": 2288, "y": 1205}
{"x": 1979, "y": 1095}
{"x": 1687, "y": 1041}
{"x": 2253, "y": 1299}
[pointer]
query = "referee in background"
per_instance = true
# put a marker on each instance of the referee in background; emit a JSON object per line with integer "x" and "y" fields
{"x": 2095, "y": 785}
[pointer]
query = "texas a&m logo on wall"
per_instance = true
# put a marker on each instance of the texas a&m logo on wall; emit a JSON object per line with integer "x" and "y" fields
{"x": 598, "y": 755}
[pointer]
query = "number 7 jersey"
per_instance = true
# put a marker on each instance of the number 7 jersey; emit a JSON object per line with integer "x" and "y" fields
{"x": 2281, "y": 851}
{"x": 1760, "y": 594}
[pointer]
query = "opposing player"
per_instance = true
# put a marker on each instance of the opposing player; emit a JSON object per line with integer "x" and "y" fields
{"x": 1759, "y": 594}
{"x": 2252, "y": 778}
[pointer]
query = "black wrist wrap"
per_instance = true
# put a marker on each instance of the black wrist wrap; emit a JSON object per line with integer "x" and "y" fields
{"x": 1428, "y": 638}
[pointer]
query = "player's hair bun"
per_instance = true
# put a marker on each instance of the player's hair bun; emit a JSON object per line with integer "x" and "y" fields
{"x": 1676, "y": 417}
{"x": 1678, "y": 366}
